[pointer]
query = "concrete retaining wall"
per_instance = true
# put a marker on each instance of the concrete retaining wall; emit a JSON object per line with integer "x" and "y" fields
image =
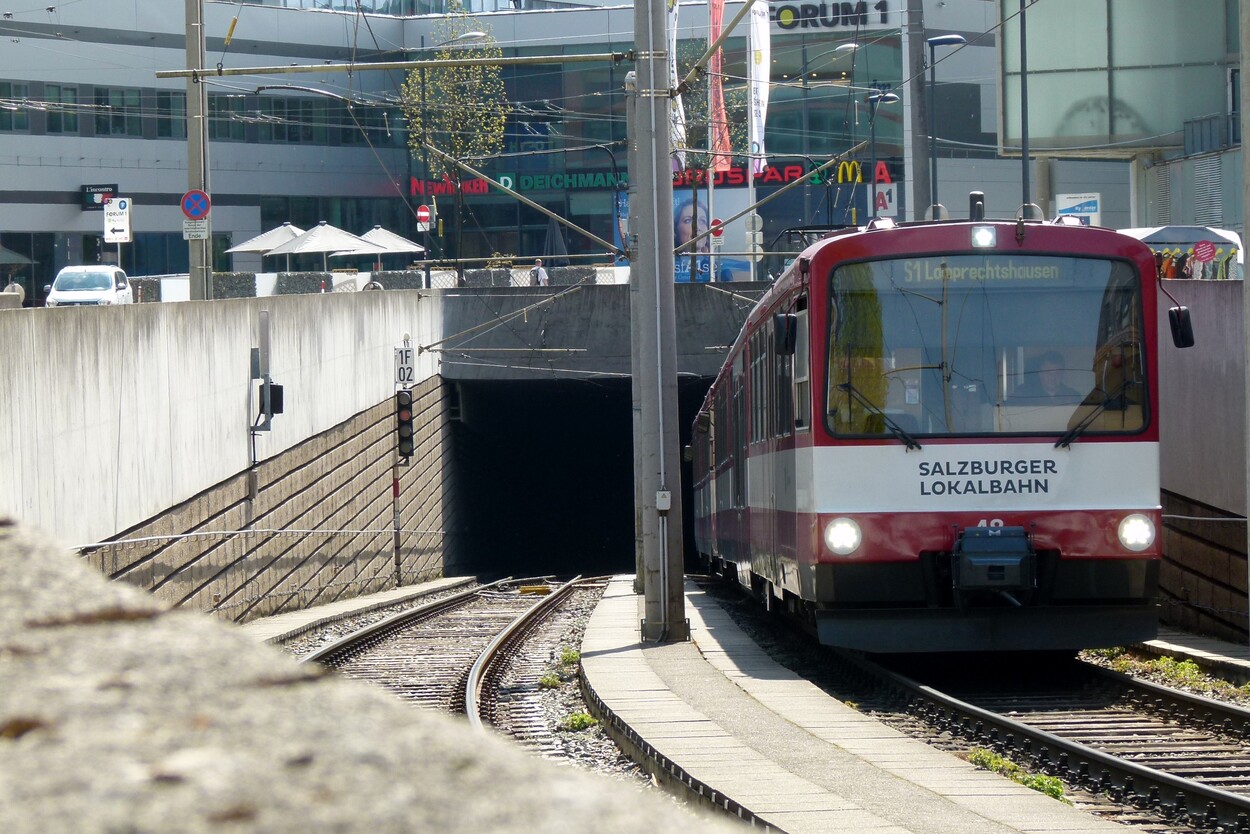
{"x": 116, "y": 414}
{"x": 309, "y": 526}
{"x": 1202, "y": 404}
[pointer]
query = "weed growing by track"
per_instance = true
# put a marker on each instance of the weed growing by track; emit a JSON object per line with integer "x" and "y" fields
{"x": 989, "y": 760}
{"x": 1168, "y": 671}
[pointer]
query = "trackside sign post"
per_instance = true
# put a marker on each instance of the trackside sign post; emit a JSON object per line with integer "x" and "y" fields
{"x": 196, "y": 206}
{"x": 117, "y": 220}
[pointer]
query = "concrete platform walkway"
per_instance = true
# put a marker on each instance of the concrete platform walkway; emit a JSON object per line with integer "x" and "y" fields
{"x": 796, "y": 759}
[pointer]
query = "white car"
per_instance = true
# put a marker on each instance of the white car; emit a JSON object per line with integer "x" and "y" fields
{"x": 89, "y": 285}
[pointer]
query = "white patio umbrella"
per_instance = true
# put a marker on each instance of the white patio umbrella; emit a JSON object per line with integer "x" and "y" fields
{"x": 265, "y": 241}
{"x": 325, "y": 238}
{"x": 388, "y": 240}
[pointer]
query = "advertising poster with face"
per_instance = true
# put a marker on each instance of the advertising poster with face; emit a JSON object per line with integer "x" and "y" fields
{"x": 690, "y": 218}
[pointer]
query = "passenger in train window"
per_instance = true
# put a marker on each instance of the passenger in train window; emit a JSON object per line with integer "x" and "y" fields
{"x": 1045, "y": 383}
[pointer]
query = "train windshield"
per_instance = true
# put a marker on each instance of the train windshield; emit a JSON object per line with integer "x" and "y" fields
{"x": 986, "y": 343}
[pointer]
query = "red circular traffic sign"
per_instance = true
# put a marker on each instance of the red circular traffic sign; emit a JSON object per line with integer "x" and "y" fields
{"x": 196, "y": 204}
{"x": 718, "y": 228}
{"x": 423, "y": 214}
{"x": 1204, "y": 250}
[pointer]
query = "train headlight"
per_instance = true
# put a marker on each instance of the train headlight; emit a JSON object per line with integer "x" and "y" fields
{"x": 984, "y": 237}
{"x": 843, "y": 536}
{"x": 1137, "y": 532}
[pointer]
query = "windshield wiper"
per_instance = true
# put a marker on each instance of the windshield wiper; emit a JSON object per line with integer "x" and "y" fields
{"x": 895, "y": 429}
{"x": 1079, "y": 429}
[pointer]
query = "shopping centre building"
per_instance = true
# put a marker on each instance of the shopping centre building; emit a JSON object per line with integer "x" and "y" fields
{"x": 84, "y": 116}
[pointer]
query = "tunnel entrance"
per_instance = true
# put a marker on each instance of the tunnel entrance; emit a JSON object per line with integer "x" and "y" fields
{"x": 544, "y": 474}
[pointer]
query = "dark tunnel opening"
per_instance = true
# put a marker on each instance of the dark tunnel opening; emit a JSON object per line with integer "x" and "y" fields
{"x": 545, "y": 474}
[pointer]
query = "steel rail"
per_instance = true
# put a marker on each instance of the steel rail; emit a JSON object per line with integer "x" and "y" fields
{"x": 517, "y": 628}
{"x": 1118, "y": 775}
{"x": 375, "y": 631}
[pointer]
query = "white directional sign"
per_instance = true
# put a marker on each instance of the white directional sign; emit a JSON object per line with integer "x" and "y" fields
{"x": 117, "y": 220}
{"x": 405, "y": 367}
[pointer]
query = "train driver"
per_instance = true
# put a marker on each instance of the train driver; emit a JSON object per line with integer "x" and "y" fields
{"x": 1045, "y": 384}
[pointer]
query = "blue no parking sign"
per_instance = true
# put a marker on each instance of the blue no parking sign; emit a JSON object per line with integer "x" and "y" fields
{"x": 196, "y": 204}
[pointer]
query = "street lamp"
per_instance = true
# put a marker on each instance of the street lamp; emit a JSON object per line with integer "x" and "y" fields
{"x": 875, "y": 100}
{"x": 803, "y": 81}
{"x": 934, "y": 43}
{"x": 462, "y": 38}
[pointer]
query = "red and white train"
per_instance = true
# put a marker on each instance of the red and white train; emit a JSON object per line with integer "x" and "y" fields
{"x": 944, "y": 437}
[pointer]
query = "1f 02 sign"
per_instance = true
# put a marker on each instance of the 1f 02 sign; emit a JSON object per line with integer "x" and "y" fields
{"x": 405, "y": 367}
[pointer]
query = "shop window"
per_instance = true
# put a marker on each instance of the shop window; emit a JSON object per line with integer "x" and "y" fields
{"x": 13, "y": 115}
{"x": 118, "y": 112}
{"x": 225, "y": 117}
{"x": 62, "y": 108}
{"x": 171, "y": 114}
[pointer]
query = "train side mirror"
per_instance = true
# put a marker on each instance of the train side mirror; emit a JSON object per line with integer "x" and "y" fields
{"x": 687, "y": 453}
{"x": 702, "y": 422}
{"x": 785, "y": 333}
{"x": 1182, "y": 327}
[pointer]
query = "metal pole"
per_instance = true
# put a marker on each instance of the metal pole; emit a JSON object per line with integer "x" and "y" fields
{"x": 425, "y": 171}
{"x": 199, "y": 251}
{"x": 933, "y": 194}
{"x": 875, "y": 101}
{"x": 1245, "y": 296}
{"x": 1024, "y": 110}
{"x": 751, "y": 152}
{"x": 934, "y": 43}
{"x": 654, "y": 328}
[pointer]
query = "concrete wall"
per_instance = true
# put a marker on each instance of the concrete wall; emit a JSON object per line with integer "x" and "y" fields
{"x": 1202, "y": 404}
{"x": 117, "y": 414}
{"x": 1202, "y": 400}
{"x": 312, "y": 525}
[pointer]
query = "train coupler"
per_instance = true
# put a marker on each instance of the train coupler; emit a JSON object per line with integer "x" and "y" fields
{"x": 993, "y": 563}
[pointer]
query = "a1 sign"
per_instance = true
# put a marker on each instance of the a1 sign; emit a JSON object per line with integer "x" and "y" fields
{"x": 884, "y": 204}
{"x": 424, "y": 215}
{"x": 117, "y": 220}
{"x": 405, "y": 366}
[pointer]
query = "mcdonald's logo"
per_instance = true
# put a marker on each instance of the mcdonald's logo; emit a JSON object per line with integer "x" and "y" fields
{"x": 850, "y": 172}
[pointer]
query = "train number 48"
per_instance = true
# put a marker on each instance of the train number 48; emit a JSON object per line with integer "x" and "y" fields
{"x": 990, "y": 522}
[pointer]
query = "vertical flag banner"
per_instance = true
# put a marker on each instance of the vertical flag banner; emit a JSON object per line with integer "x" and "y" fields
{"x": 719, "y": 126}
{"x": 758, "y": 77}
{"x": 676, "y": 112}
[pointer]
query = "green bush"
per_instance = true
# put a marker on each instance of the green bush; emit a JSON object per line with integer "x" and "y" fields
{"x": 577, "y": 722}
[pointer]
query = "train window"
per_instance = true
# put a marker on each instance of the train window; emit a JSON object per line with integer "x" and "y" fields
{"x": 783, "y": 386}
{"x": 802, "y": 374}
{"x": 986, "y": 343}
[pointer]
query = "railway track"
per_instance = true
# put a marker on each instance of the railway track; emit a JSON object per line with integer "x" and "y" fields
{"x": 1181, "y": 756}
{"x": 451, "y": 654}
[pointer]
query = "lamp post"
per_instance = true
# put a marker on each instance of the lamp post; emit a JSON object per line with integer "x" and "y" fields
{"x": 875, "y": 100}
{"x": 1026, "y": 200}
{"x": 934, "y": 43}
{"x": 806, "y": 73}
{"x": 850, "y": 48}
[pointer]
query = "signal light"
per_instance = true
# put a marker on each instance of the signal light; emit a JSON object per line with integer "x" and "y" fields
{"x": 403, "y": 422}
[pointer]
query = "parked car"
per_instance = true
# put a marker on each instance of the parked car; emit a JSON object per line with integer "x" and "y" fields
{"x": 83, "y": 285}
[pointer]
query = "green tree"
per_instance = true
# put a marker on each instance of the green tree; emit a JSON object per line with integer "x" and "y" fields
{"x": 460, "y": 110}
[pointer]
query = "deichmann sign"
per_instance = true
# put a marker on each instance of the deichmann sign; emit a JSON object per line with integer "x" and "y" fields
{"x": 737, "y": 176}
{"x": 855, "y": 16}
